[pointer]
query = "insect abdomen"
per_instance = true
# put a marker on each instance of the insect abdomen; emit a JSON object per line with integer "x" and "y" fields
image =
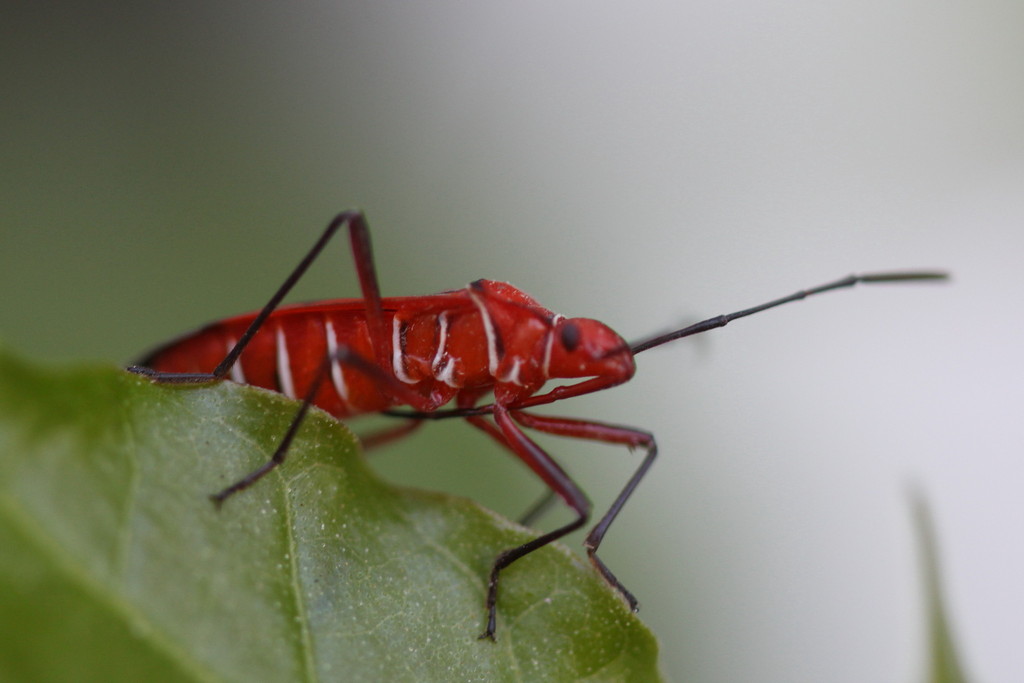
{"x": 284, "y": 356}
{"x": 437, "y": 353}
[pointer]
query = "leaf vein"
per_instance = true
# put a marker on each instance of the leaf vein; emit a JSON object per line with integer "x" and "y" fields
{"x": 302, "y": 613}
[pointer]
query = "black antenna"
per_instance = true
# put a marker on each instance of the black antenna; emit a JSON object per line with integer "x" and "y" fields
{"x": 723, "y": 320}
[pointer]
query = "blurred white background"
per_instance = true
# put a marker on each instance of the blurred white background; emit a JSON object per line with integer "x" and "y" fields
{"x": 647, "y": 166}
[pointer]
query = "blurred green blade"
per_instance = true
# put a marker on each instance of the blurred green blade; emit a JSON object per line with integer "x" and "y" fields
{"x": 115, "y": 565}
{"x": 943, "y": 662}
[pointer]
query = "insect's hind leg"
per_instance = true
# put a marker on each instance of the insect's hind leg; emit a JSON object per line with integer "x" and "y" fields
{"x": 359, "y": 237}
{"x": 347, "y": 357}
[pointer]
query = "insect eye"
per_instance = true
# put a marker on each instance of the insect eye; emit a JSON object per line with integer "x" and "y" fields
{"x": 570, "y": 336}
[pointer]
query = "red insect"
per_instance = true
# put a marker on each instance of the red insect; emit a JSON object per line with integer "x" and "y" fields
{"x": 370, "y": 355}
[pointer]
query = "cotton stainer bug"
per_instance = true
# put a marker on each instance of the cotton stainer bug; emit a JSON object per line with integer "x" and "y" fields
{"x": 371, "y": 355}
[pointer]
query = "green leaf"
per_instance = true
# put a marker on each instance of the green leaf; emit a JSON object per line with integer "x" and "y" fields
{"x": 116, "y": 566}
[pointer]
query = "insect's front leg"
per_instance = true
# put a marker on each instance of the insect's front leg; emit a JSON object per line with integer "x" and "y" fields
{"x": 607, "y": 433}
{"x": 509, "y": 435}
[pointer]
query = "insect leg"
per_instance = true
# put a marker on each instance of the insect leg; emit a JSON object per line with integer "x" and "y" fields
{"x": 360, "y": 239}
{"x": 173, "y": 377}
{"x": 511, "y": 436}
{"x": 385, "y": 436}
{"x": 348, "y": 357}
{"x": 362, "y": 252}
{"x": 467, "y": 408}
{"x": 599, "y": 431}
{"x": 538, "y": 509}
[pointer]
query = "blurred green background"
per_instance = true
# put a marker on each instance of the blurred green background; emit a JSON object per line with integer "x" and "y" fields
{"x": 648, "y": 166}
